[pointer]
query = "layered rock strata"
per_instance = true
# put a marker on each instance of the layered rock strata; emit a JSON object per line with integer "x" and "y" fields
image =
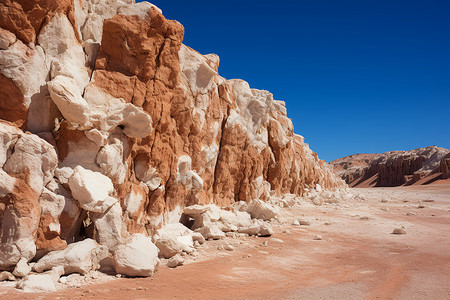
{"x": 111, "y": 126}
{"x": 394, "y": 168}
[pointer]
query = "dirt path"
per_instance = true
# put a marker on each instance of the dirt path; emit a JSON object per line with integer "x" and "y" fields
{"x": 357, "y": 258}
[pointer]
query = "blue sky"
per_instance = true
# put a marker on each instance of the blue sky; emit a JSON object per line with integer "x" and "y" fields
{"x": 357, "y": 76}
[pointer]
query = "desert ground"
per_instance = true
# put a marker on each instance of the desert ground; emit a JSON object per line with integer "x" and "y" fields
{"x": 347, "y": 251}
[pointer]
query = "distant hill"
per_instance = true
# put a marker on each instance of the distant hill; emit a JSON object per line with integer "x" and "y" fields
{"x": 394, "y": 168}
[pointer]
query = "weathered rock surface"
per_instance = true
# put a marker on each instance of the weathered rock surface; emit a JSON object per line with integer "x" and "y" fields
{"x": 394, "y": 168}
{"x": 137, "y": 257}
{"x": 110, "y": 127}
{"x": 80, "y": 257}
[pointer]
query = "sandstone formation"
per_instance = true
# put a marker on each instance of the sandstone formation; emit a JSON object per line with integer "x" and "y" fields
{"x": 394, "y": 168}
{"x": 110, "y": 127}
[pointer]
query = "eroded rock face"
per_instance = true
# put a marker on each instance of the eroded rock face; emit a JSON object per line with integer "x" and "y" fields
{"x": 128, "y": 127}
{"x": 394, "y": 168}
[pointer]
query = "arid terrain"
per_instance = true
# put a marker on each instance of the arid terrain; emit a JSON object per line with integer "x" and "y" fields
{"x": 358, "y": 257}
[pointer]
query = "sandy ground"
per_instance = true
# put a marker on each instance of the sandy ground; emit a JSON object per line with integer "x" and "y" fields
{"x": 357, "y": 258}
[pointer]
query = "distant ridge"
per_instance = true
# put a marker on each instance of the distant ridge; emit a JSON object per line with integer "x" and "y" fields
{"x": 394, "y": 168}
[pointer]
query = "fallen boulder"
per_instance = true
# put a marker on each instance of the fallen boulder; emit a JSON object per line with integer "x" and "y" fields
{"x": 80, "y": 257}
{"x": 261, "y": 210}
{"x": 137, "y": 257}
{"x": 211, "y": 232}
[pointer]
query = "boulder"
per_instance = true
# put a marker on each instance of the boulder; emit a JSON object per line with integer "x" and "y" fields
{"x": 211, "y": 232}
{"x": 80, "y": 257}
{"x": 5, "y": 275}
{"x": 169, "y": 247}
{"x": 22, "y": 268}
{"x": 137, "y": 257}
{"x": 262, "y": 210}
{"x": 238, "y": 218}
{"x": 203, "y": 214}
{"x": 175, "y": 261}
{"x": 91, "y": 190}
{"x": 108, "y": 227}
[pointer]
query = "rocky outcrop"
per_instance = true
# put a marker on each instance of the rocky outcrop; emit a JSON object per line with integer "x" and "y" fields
{"x": 110, "y": 127}
{"x": 394, "y": 168}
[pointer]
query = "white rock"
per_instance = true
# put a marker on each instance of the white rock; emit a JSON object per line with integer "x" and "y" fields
{"x": 172, "y": 230}
{"x": 211, "y": 231}
{"x": 110, "y": 158}
{"x": 175, "y": 261}
{"x": 319, "y": 188}
{"x": 64, "y": 54}
{"x": 317, "y": 200}
{"x": 262, "y": 210}
{"x": 203, "y": 215}
{"x": 80, "y": 257}
{"x": 56, "y": 273}
{"x": 37, "y": 283}
{"x": 169, "y": 247}
{"x": 34, "y": 156}
{"x": 198, "y": 237}
{"x": 265, "y": 230}
{"x": 22, "y": 268}
{"x": 108, "y": 112}
{"x": 238, "y": 218}
{"x": 5, "y": 275}
{"x": 109, "y": 226}
{"x": 251, "y": 230}
{"x": 27, "y": 68}
{"x": 91, "y": 190}
{"x": 137, "y": 257}
{"x": 228, "y": 247}
{"x": 66, "y": 95}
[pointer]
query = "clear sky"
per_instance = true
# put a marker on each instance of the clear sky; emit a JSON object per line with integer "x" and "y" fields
{"x": 357, "y": 76}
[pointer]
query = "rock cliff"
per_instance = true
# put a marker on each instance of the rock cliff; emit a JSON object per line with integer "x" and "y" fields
{"x": 110, "y": 126}
{"x": 394, "y": 168}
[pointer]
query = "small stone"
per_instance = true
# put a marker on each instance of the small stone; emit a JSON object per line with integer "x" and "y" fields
{"x": 385, "y": 209}
{"x": 399, "y": 231}
{"x": 304, "y": 222}
{"x": 118, "y": 275}
{"x": 5, "y": 275}
{"x": 175, "y": 261}
{"x": 327, "y": 223}
{"x": 296, "y": 223}
{"x": 287, "y": 231}
{"x": 277, "y": 240}
{"x": 264, "y": 244}
{"x": 318, "y": 237}
{"x": 421, "y": 206}
{"x": 63, "y": 280}
{"x": 228, "y": 247}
